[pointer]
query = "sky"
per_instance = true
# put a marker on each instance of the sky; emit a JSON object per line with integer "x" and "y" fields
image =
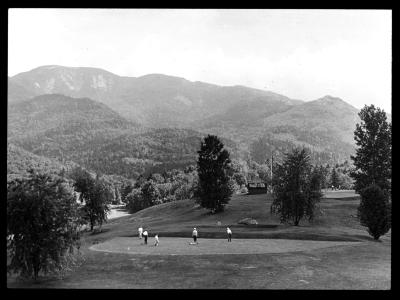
{"x": 302, "y": 54}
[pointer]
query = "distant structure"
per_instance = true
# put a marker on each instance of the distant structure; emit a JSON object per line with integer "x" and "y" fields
{"x": 257, "y": 187}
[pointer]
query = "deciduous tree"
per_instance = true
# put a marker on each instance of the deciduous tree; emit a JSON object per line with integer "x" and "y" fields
{"x": 96, "y": 196}
{"x": 42, "y": 224}
{"x": 150, "y": 193}
{"x": 297, "y": 188}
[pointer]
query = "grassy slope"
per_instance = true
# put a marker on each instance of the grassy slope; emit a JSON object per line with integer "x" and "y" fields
{"x": 365, "y": 266}
{"x": 335, "y": 221}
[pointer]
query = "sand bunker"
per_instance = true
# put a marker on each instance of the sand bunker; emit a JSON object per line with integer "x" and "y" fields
{"x": 181, "y": 246}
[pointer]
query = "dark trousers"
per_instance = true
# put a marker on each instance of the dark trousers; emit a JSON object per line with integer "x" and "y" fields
{"x": 195, "y": 239}
{"x": 145, "y": 239}
{"x": 229, "y": 237}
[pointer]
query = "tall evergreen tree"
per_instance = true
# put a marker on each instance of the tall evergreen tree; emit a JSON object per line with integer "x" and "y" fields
{"x": 297, "y": 188}
{"x": 214, "y": 188}
{"x": 373, "y": 159}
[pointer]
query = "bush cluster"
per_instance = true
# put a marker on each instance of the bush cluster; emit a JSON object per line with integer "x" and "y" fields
{"x": 158, "y": 188}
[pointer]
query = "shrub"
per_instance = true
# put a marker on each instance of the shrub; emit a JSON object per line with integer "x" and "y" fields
{"x": 165, "y": 189}
{"x": 150, "y": 193}
{"x": 134, "y": 201}
{"x": 169, "y": 198}
{"x": 374, "y": 211}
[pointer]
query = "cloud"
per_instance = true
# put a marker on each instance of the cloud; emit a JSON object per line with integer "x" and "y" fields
{"x": 301, "y": 54}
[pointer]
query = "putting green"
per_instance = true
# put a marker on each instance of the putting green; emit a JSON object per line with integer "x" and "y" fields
{"x": 182, "y": 246}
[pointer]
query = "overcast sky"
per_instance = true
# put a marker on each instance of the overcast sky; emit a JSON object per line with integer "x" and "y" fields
{"x": 302, "y": 54}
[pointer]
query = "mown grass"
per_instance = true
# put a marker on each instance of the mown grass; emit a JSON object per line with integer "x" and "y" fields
{"x": 335, "y": 220}
{"x": 364, "y": 266}
{"x": 184, "y": 246}
{"x": 354, "y": 267}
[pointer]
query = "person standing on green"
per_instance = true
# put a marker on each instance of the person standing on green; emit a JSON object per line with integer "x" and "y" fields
{"x": 156, "y": 241}
{"x": 194, "y": 235}
{"x": 229, "y": 232}
{"x": 145, "y": 235}
{"x": 140, "y": 230}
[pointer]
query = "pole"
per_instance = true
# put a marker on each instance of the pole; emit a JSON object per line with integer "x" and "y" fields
{"x": 272, "y": 160}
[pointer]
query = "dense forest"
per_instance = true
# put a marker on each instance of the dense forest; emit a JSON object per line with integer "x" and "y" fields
{"x": 20, "y": 161}
{"x": 95, "y": 137}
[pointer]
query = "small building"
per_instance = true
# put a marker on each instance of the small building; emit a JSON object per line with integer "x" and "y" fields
{"x": 257, "y": 187}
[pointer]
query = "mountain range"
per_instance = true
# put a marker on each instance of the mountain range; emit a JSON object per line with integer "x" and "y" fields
{"x": 127, "y": 125}
{"x": 154, "y": 100}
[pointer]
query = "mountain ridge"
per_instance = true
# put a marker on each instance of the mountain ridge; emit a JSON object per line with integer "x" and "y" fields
{"x": 155, "y": 100}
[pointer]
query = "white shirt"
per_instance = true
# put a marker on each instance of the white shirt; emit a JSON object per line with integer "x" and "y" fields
{"x": 229, "y": 231}
{"x": 145, "y": 233}
{"x": 194, "y": 232}
{"x": 140, "y": 229}
{"x": 156, "y": 237}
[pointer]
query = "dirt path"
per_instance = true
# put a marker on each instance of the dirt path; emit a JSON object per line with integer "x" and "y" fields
{"x": 116, "y": 213}
{"x": 181, "y": 246}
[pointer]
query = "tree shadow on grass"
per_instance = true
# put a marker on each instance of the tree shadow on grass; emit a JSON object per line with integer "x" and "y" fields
{"x": 367, "y": 238}
{"x": 43, "y": 281}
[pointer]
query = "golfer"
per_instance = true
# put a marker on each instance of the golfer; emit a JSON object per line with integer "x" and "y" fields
{"x": 156, "y": 240}
{"x": 229, "y": 232}
{"x": 145, "y": 234}
{"x": 140, "y": 230}
{"x": 194, "y": 235}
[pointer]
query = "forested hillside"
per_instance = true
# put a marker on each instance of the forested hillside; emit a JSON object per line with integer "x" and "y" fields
{"x": 19, "y": 161}
{"x": 325, "y": 126}
{"x": 93, "y": 136}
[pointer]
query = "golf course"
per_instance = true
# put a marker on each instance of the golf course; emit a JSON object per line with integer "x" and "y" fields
{"x": 332, "y": 252}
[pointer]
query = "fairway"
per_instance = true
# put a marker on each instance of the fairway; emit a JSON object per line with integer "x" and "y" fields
{"x": 181, "y": 246}
{"x": 340, "y": 194}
